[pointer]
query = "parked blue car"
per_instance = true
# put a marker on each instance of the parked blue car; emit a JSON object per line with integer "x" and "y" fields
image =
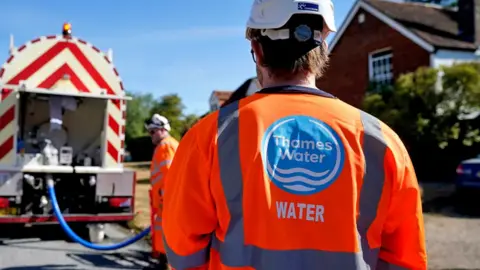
{"x": 468, "y": 175}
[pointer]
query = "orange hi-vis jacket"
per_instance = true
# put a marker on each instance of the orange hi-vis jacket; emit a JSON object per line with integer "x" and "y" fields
{"x": 292, "y": 178}
{"x": 162, "y": 159}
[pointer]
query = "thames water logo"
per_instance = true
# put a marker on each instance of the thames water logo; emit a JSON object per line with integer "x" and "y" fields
{"x": 302, "y": 155}
{"x": 307, "y": 6}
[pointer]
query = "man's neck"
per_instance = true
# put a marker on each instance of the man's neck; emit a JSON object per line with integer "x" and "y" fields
{"x": 165, "y": 136}
{"x": 162, "y": 139}
{"x": 304, "y": 81}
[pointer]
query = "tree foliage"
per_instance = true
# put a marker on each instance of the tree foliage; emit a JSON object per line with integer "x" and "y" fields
{"x": 171, "y": 107}
{"x": 138, "y": 110}
{"x": 435, "y": 112}
{"x": 142, "y": 107}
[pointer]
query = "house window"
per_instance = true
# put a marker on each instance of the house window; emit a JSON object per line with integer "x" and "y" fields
{"x": 381, "y": 67}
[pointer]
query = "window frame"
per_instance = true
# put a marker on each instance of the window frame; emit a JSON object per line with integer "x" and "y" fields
{"x": 373, "y": 56}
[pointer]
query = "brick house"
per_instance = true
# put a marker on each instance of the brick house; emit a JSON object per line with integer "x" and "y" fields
{"x": 247, "y": 88}
{"x": 217, "y": 98}
{"x": 379, "y": 40}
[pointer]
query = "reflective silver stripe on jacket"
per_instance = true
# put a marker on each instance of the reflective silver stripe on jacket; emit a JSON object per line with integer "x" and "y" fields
{"x": 156, "y": 169}
{"x": 156, "y": 179}
{"x": 234, "y": 252}
{"x": 374, "y": 150}
{"x": 157, "y": 223}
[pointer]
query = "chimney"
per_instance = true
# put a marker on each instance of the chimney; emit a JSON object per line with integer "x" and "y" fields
{"x": 469, "y": 20}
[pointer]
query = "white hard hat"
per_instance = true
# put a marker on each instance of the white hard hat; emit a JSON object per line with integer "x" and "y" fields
{"x": 157, "y": 121}
{"x": 272, "y": 14}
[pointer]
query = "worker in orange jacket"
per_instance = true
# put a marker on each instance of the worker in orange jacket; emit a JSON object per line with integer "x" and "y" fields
{"x": 291, "y": 177}
{"x": 165, "y": 146}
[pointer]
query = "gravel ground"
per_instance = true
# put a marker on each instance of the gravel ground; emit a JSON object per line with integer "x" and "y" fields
{"x": 452, "y": 242}
{"x": 452, "y": 228}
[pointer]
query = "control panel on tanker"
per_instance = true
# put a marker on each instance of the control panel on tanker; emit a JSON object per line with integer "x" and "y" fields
{"x": 46, "y": 138}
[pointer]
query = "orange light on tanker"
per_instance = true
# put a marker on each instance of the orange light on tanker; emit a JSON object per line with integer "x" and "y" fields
{"x": 67, "y": 29}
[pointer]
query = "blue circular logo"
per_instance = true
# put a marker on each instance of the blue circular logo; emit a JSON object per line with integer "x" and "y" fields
{"x": 303, "y": 33}
{"x": 302, "y": 155}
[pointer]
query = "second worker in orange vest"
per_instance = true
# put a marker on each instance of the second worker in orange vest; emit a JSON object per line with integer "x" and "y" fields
{"x": 165, "y": 146}
{"x": 292, "y": 178}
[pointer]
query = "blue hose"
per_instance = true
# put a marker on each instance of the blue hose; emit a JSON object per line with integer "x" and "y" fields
{"x": 76, "y": 238}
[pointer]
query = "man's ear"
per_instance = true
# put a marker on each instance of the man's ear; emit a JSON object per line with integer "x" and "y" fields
{"x": 325, "y": 34}
{"x": 257, "y": 50}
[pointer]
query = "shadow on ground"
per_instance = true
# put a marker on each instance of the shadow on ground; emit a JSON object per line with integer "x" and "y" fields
{"x": 45, "y": 267}
{"x": 20, "y": 238}
{"x": 143, "y": 181}
{"x": 120, "y": 260}
{"x": 138, "y": 165}
{"x": 131, "y": 260}
{"x": 43, "y": 232}
{"x": 454, "y": 204}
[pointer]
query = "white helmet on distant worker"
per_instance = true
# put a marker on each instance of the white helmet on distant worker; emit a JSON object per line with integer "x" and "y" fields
{"x": 272, "y": 14}
{"x": 157, "y": 121}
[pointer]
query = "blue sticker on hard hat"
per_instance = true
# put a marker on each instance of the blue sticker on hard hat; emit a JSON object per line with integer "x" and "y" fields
{"x": 303, "y": 33}
{"x": 302, "y": 155}
{"x": 307, "y": 6}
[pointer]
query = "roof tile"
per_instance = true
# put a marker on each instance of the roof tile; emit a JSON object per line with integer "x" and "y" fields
{"x": 436, "y": 25}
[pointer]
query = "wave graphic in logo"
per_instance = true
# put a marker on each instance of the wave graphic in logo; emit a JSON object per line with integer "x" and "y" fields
{"x": 302, "y": 155}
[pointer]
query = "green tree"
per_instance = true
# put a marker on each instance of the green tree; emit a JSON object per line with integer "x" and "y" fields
{"x": 188, "y": 121}
{"x": 140, "y": 108}
{"x": 171, "y": 107}
{"x": 435, "y": 112}
{"x": 137, "y": 111}
{"x": 143, "y": 106}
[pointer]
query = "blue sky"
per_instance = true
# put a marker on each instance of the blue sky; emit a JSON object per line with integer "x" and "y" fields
{"x": 188, "y": 47}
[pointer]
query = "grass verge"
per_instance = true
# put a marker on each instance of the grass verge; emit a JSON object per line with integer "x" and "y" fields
{"x": 142, "y": 198}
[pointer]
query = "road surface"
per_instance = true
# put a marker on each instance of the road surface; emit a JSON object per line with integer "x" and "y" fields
{"x": 45, "y": 248}
{"x": 452, "y": 227}
{"x": 453, "y": 242}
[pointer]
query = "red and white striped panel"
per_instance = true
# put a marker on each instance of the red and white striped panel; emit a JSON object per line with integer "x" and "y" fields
{"x": 8, "y": 127}
{"x": 115, "y": 138}
{"x": 43, "y": 62}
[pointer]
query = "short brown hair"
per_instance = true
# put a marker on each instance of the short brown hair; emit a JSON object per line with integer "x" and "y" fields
{"x": 288, "y": 58}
